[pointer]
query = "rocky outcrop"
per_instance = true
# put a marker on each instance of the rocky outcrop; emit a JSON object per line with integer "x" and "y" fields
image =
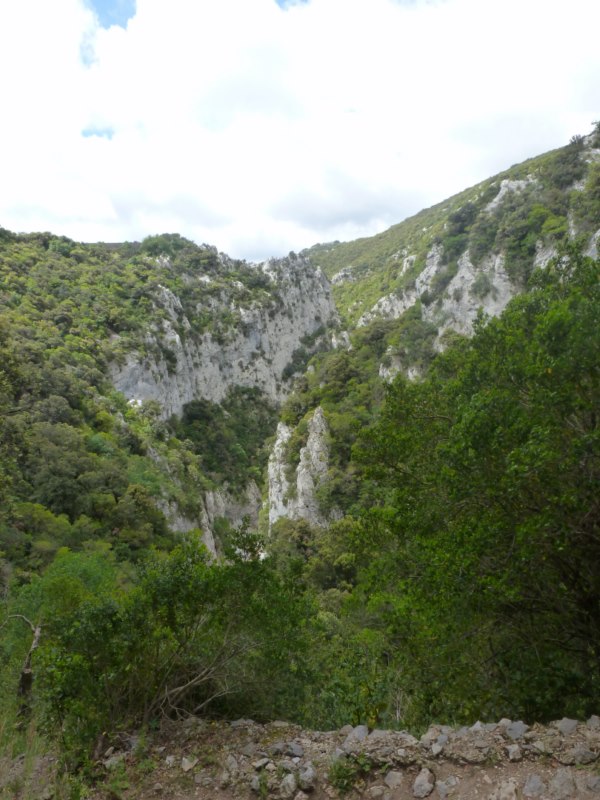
{"x": 215, "y": 505}
{"x": 297, "y": 498}
{"x": 395, "y": 364}
{"x": 486, "y": 287}
{"x": 278, "y": 484}
{"x": 392, "y": 306}
{"x": 256, "y": 351}
{"x": 220, "y": 504}
{"x": 508, "y": 186}
{"x": 267, "y": 329}
{"x": 593, "y": 249}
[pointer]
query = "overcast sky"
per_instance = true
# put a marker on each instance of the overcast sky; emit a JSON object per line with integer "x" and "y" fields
{"x": 261, "y": 126}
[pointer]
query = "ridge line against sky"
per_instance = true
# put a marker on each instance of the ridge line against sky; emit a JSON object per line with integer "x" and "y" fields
{"x": 261, "y": 126}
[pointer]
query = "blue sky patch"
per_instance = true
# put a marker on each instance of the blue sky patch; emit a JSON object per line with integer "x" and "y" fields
{"x": 287, "y": 3}
{"x": 101, "y": 133}
{"x": 113, "y": 12}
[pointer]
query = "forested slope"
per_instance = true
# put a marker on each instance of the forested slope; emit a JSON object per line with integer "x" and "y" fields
{"x": 408, "y": 293}
{"x": 457, "y": 574}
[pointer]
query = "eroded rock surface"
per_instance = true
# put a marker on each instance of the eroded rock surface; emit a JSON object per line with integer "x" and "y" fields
{"x": 254, "y": 352}
{"x": 292, "y": 492}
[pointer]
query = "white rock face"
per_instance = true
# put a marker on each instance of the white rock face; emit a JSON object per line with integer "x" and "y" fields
{"x": 594, "y": 246}
{"x": 341, "y": 341}
{"x": 253, "y": 355}
{"x": 392, "y": 306}
{"x": 220, "y": 503}
{"x": 314, "y": 462}
{"x": 433, "y": 264}
{"x": 543, "y": 254}
{"x": 182, "y": 524}
{"x": 345, "y": 275}
{"x": 279, "y": 486}
{"x": 395, "y": 364}
{"x": 217, "y": 504}
{"x": 301, "y": 501}
{"x": 506, "y": 187}
{"x": 462, "y": 302}
{"x": 388, "y": 371}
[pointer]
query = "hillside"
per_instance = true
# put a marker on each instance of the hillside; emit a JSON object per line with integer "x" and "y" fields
{"x": 240, "y": 489}
{"x": 521, "y": 214}
{"x": 408, "y": 293}
{"x": 103, "y": 345}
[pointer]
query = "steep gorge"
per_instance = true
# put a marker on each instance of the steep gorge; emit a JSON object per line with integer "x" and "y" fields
{"x": 412, "y": 549}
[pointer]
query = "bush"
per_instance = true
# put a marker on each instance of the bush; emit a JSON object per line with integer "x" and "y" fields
{"x": 186, "y": 635}
{"x": 482, "y": 285}
{"x": 586, "y": 204}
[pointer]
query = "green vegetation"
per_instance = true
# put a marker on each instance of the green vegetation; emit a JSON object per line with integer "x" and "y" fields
{"x": 537, "y": 211}
{"x": 459, "y": 576}
{"x": 79, "y": 466}
{"x": 348, "y": 387}
{"x": 587, "y": 204}
{"x": 344, "y": 772}
{"x": 119, "y": 649}
{"x": 229, "y": 437}
{"x": 464, "y": 581}
{"x": 129, "y": 621}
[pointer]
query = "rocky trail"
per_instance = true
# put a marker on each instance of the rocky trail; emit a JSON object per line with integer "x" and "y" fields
{"x": 199, "y": 759}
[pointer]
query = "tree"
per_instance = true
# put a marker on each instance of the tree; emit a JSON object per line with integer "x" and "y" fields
{"x": 489, "y": 512}
{"x": 185, "y": 634}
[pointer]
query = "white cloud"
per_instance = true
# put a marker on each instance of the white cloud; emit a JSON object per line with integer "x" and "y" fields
{"x": 262, "y": 130}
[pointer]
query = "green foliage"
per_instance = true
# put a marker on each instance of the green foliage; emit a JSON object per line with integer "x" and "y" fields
{"x": 390, "y": 261}
{"x": 463, "y": 585}
{"x": 442, "y": 278}
{"x": 482, "y": 285}
{"x": 229, "y": 436}
{"x": 587, "y": 203}
{"x": 166, "y": 244}
{"x": 346, "y": 771}
{"x": 455, "y": 239}
{"x": 460, "y": 577}
{"x": 566, "y": 166}
{"x": 347, "y": 386}
{"x": 179, "y": 635}
{"x": 488, "y": 474}
{"x": 483, "y": 237}
{"x": 69, "y": 444}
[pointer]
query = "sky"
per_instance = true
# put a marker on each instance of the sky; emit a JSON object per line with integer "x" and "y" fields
{"x": 263, "y": 126}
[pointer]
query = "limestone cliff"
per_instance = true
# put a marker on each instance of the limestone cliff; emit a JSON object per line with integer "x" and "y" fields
{"x": 258, "y": 339}
{"x": 472, "y": 289}
{"x": 295, "y": 497}
{"x": 257, "y": 351}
